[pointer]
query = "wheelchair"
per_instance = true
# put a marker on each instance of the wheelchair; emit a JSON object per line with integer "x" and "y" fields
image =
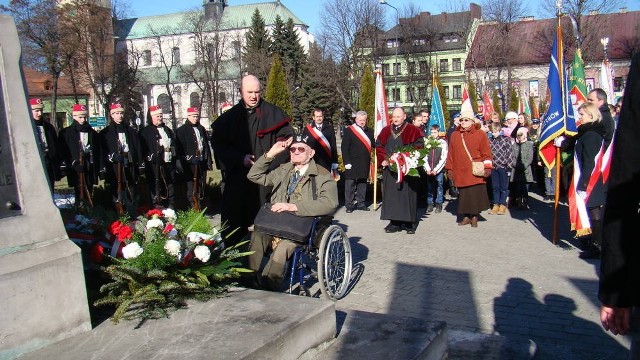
{"x": 326, "y": 257}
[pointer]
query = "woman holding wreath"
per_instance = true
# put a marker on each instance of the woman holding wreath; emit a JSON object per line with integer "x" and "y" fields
{"x": 469, "y": 144}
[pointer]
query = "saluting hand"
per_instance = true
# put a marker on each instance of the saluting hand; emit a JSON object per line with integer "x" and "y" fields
{"x": 279, "y": 147}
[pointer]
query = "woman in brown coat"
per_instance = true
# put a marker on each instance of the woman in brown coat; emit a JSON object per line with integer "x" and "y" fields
{"x": 473, "y": 196}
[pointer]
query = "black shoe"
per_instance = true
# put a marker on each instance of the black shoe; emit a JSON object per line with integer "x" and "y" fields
{"x": 438, "y": 208}
{"x": 591, "y": 253}
{"x": 410, "y": 228}
{"x": 349, "y": 210}
{"x": 362, "y": 208}
{"x": 392, "y": 228}
{"x": 429, "y": 208}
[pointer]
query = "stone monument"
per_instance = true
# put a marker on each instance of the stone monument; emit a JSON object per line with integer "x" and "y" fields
{"x": 42, "y": 290}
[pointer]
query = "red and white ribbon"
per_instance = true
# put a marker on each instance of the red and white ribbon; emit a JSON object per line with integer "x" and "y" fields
{"x": 400, "y": 159}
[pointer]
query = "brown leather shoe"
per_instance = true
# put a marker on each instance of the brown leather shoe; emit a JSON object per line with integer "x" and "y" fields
{"x": 474, "y": 221}
{"x": 465, "y": 221}
{"x": 502, "y": 210}
{"x": 495, "y": 209}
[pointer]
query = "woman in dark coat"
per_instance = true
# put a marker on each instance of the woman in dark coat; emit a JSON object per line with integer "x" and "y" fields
{"x": 356, "y": 156}
{"x": 472, "y": 189}
{"x": 399, "y": 200}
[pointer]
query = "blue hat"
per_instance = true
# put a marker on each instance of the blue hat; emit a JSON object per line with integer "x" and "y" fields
{"x": 456, "y": 115}
{"x": 535, "y": 121}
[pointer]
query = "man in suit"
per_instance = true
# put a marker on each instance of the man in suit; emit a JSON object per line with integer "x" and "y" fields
{"x": 324, "y": 141}
{"x": 356, "y": 155}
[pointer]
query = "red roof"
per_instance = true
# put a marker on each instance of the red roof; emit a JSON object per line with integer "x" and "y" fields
{"x": 40, "y": 84}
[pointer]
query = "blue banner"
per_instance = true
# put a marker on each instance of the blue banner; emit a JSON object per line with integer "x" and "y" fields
{"x": 437, "y": 114}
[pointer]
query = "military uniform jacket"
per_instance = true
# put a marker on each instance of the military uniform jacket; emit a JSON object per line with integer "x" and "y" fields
{"x": 187, "y": 147}
{"x": 322, "y": 157}
{"x": 71, "y": 152}
{"x": 152, "y": 151}
{"x": 112, "y": 150}
{"x": 326, "y": 201}
{"x": 50, "y": 149}
{"x": 356, "y": 153}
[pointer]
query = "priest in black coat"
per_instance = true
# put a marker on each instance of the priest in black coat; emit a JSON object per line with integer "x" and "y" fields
{"x": 241, "y": 135}
{"x": 193, "y": 156}
{"x": 80, "y": 151}
{"x": 620, "y": 266}
{"x": 356, "y": 155}
{"x": 158, "y": 151}
{"x": 121, "y": 154}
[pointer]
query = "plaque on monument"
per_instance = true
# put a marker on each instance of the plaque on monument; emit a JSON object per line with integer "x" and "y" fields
{"x": 8, "y": 188}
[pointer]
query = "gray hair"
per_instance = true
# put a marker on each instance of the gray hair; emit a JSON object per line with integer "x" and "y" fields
{"x": 361, "y": 113}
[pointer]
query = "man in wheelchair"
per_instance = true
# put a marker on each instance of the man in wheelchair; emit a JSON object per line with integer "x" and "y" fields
{"x": 299, "y": 186}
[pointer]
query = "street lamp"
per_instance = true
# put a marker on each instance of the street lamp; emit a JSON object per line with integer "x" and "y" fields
{"x": 397, "y": 44}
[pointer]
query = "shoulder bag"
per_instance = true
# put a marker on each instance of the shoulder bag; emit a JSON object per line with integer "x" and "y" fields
{"x": 477, "y": 167}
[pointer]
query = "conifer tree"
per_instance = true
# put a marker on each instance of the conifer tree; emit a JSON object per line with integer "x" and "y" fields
{"x": 368, "y": 95}
{"x": 317, "y": 85}
{"x": 277, "y": 91}
{"x": 497, "y": 105}
{"x": 514, "y": 100}
{"x": 473, "y": 95}
{"x": 256, "y": 50}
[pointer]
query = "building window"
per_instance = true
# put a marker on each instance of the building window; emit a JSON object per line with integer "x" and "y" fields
{"x": 412, "y": 67}
{"x": 422, "y": 92}
{"x": 418, "y": 42}
{"x": 446, "y": 92}
{"x": 396, "y": 95}
{"x": 618, "y": 84}
{"x": 146, "y": 58}
{"x": 449, "y": 39}
{"x": 393, "y": 43}
{"x": 194, "y": 99}
{"x": 175, "y": 55}
{"x": 456, "y": 64}
{"x": 409, "y": 95}
{"x": 457, "y": 91}
{"x": 385, "y": 69}
{"x": 424, "y": 67}
{"x": 165, "y": 103}
{"x": 396, "y": 68}
{"x": 444, "y": 65}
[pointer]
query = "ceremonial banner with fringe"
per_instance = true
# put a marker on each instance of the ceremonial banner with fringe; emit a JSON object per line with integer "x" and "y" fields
{"x": 437, "y": 113}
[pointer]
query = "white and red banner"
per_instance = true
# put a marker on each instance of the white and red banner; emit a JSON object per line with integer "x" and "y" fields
{"x": 381, "y": 110}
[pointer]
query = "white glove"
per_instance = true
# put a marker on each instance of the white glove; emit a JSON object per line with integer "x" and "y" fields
{"x": 558, "y": 141}
{"x": 334, "y": 166}
{"x": 348, "y": 166}
{"x": 581, "y": 194}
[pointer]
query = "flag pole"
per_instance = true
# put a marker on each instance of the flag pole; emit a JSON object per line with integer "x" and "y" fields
{"x": 564, "y": 107}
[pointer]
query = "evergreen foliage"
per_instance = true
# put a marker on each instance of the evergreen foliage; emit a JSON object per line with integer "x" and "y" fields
{"x": 368, "y": 95}
{"x": 473, "y": 95}
{"x": 514, "y": 100}
{"x": 316, "y": 88}
{"x": 497, "y": 105}
{"x": 256, "y": 53}
{"x": 532, "y": 106}
{"x": 277, "y": 91}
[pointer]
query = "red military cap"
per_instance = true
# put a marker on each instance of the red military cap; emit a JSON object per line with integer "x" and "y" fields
{"x": 192, "y": 111}
{"x": 79, "y": 109}
{"x": 116, "y": 107}
{"x": 36, "y": 104}
{"x": 155, "y": 110}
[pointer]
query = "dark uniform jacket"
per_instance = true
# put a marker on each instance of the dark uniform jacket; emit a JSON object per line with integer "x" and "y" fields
{"x": 187, "y": 149}
{"x": 322, "y": 157}
{"x": 588, "y": 143}
{"x": 356, "y": 153}
{"x": 49, "y": 149}
{"x": 72, "y": 154}
{"x": 152, "y": 151}
{"x": 112, "y": 151}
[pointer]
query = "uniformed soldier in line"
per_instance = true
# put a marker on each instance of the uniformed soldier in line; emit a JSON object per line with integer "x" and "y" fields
{"x": 158, "y": 150}
{"x": 122, "y": 158}
{"x": 80, "y": 152}
{"x": 193, "y": 157}
{"x": 47, "y": 139}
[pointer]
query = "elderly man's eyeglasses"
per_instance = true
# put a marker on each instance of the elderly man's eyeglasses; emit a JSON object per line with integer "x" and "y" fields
{"x": 300, "y": 149}
{"x": 463, "y": 120}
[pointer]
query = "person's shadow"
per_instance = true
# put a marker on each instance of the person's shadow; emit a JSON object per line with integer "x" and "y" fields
{"x": 557, "y": 333}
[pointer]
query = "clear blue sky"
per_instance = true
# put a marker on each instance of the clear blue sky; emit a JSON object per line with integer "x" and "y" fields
{"x": 308, "y": 10}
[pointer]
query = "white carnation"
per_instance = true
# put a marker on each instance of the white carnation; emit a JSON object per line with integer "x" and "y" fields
{"x": 155, "y": 223}
{"x": 196, "y": 237}
{"x": 202, "y": 253}
{"x": 169, "y": 213}
{"x": 172, "y": 247}
{"x": 131, "y": 251}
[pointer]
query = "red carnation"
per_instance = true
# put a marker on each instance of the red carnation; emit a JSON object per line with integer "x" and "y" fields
{"x": 96, "y": 253}
{"x": 168, "y": 228}
{"x": 124, "y": 233}
{"x": 150, "y": 213}
{"x": 210, "y": 242}
{"x": 115, "y": 226}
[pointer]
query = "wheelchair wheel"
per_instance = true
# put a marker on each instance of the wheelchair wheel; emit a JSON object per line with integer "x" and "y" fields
{"x": 334, "y": 263}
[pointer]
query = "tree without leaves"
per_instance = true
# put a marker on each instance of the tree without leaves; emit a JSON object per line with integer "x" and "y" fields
{"x": 256, "y": 55}
{"x": 368, "y": 95}
{"x": 277, "y": 91}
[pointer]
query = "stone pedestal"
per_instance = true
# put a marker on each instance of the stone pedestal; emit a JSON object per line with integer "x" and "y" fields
{"x": 42, "y": 290}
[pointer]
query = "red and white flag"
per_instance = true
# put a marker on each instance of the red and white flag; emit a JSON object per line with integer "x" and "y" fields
{"x": 487, "y": 108}
{"x": 466, "y": 102}
{"x": 381, "y": 110}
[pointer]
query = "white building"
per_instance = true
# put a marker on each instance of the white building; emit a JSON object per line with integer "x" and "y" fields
{"x": 165, "y": 48}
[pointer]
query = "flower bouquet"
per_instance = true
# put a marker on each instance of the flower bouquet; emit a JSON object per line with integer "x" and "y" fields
{"x": 431, "y": 143}
{"x": 164, "y": 259}
{"x": 406, "y": 161}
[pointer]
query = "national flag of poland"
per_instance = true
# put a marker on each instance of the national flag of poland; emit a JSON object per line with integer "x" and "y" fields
{"x": 487, "y": 108}
{"x": 466, "y": 102}
{"x": 381, "y": 110}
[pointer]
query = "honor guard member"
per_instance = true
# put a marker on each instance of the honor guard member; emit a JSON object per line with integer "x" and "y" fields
{"x": 122, "y": 157}
{"x": 240, "y": 136}
{"x": 193, "y": 156}
{"x": 357, "y": 143}
{"x": 47, "y": 139}
{"x": 80, "y": 150}
{"x": 158, "y": 150}
{"x": 324, "y": 141}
